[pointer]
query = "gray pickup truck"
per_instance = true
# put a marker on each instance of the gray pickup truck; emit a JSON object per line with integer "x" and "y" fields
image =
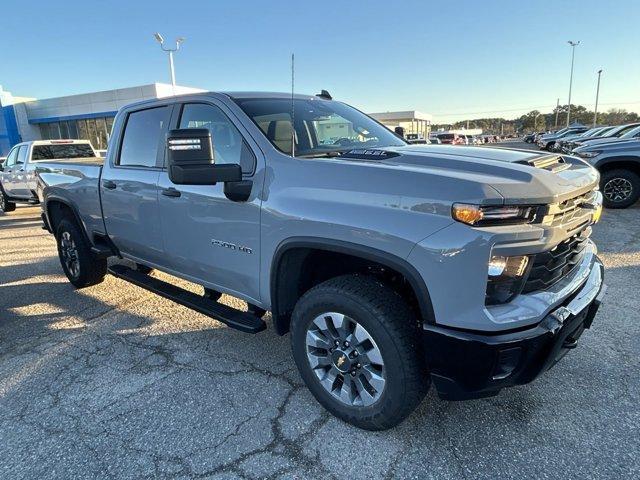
{"x": 391, "y": 265}
{"x": 17, "y": 172}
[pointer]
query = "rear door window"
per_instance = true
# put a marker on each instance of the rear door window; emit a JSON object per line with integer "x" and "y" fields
{"x": 142, "y": 134}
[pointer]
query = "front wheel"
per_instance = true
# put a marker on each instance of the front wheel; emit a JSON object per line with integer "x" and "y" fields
{"x": 5, "y": 205}
{"x": 620, "y": 188}
{"x": 356, "y": 344}
{"x": 81, "y": 266}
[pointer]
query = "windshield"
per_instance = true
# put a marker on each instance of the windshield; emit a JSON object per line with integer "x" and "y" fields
{"x": 72, "y": 150}
{"x": 322, "y": 127}
{"x": 623, "y": 129}
{"x": 635, "y": 132}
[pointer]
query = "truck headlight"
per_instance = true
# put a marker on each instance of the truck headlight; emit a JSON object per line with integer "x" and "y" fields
{"x": 484, "y": 216}
{"x": 505, "y": 278}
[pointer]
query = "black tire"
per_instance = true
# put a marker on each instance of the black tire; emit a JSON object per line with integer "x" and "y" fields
{"x": 626, "y": 179}
{"x": 5, "y": 205}
{"x": 143, "y": 269}
{"x": 393, "y": 327}
{"x": 90, "y": 268}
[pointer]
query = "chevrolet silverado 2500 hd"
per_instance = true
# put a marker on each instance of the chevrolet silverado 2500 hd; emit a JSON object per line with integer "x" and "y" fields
{"x": 17, "y": 173}
{"x": 392, "y": 266}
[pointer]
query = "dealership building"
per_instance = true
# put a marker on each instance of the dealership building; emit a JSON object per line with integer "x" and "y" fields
{"x": 89, "y": 116}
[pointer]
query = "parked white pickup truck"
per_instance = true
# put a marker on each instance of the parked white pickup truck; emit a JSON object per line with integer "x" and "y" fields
{"x": 17, "y": 172}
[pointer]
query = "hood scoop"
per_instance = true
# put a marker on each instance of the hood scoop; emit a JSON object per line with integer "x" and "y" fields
{"x": 553, "y": 164}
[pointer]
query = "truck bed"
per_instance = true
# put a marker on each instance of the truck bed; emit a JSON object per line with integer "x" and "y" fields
{"x": 76, "y": 181}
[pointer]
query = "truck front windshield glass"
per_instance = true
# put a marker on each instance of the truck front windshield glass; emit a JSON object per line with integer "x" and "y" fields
{"x": 322, "y": 127}
{"x": 72, "y": 150}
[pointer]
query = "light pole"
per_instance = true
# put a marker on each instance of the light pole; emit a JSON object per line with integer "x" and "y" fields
{"x": 170, "y": 51}
{"x": 573, "y": 53}
{"x": 595, "y": 110}
{"x": 535, "y": 122}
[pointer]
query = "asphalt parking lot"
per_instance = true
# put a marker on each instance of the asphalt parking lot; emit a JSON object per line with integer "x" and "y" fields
{"x": 114, "y": 382}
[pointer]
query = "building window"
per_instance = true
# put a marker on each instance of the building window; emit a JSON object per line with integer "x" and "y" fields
{"x": 96, "y": 130}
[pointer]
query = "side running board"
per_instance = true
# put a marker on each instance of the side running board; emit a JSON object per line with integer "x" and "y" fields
{"x": 237, "y": 319}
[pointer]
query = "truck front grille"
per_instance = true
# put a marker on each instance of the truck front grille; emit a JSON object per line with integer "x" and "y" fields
{"x": 571, "y": 214}
{"x": 551, "y": 266}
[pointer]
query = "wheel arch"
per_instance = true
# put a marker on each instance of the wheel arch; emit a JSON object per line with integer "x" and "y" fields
{"x": 286, "y": 276}
{"x": 627, "y": 162}
{"x": 56, "y": 209}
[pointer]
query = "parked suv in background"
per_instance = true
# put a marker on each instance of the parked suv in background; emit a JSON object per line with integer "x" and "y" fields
{"x": 391, "y": 265}
{"x": 546, "y": 142}
{"x": 560, "y": 144}
{"x": 619, "y": 166}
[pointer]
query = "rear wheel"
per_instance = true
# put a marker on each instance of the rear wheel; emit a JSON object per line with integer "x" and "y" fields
{"x": 620, "y": 188}
{"x": 356, "y": 344}
{"x": 5, "y": 204}
{"x": 81, "y": 266}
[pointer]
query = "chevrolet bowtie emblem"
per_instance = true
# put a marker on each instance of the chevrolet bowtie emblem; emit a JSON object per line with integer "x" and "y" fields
{"x": 341, "y": 360}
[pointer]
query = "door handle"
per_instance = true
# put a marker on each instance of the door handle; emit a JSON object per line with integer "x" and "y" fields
{"x": 170, "y": 192}
{"x": 109, "y": 184}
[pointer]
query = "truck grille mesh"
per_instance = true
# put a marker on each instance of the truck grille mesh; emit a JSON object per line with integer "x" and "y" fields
{"x": 571, "y": 214}
{"x": 549, "y": 267}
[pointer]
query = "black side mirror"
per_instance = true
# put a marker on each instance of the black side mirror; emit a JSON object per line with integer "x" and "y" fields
{"x": 399, "y": 131}
{"x": 191, "y": 160}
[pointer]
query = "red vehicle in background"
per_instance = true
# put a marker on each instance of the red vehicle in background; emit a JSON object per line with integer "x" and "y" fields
{"x": 451, "y": 139}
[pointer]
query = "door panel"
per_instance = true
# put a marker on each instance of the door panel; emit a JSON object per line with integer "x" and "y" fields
{"x": 8, "y": 177}
{"x": 129, "y": 186}
{"x": 208, "y": 237}
{"x": 21, "y": 188}
{"x": 131, "y": 212}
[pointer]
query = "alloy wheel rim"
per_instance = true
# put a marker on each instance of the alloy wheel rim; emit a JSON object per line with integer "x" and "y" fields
{"x": 618, "y": 189}
{"x": 70, "y": 254}
{"x": 346, "y": 360}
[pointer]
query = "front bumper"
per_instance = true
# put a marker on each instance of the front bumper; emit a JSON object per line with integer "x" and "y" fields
{"x": 466, "y": 365}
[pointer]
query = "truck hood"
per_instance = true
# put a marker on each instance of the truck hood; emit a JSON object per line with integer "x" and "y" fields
{"x": 517, "y": 176}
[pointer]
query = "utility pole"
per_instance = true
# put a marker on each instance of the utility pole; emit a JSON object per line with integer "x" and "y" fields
{"x": 557, "y": 112}
{"x": 170, "y": 51}
{"x": 573, "y": 53}
{"x": 595, "y": 111}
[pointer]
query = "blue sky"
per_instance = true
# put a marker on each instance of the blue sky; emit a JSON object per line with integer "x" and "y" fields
{"x": 456, "y": 60}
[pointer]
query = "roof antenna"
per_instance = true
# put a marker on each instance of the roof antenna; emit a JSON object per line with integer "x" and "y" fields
{"x": 293, "y": 110}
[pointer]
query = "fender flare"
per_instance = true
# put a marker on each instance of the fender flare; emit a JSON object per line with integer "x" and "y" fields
{"x": 339, "y": 246}
{"x": 615, "y": 159}
{"x": 46, "y": 212}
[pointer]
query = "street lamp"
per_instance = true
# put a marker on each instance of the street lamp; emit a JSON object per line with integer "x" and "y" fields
{"x": 595, "y": 111}
{"x": 170, "y": 51}
{"x": 573, "y": 52}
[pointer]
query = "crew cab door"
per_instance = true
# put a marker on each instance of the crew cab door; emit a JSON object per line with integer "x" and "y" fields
{"x": 19, "y": 183}
{"x": 8, "y": 177}
{"x": 208, "y": 238}
{"x": 129, "y": 183}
